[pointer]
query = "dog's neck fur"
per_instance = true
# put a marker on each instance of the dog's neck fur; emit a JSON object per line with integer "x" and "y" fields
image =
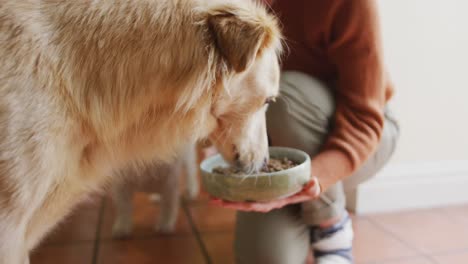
{"x": 100, "y": 78}
{"x": 106, "y": 75}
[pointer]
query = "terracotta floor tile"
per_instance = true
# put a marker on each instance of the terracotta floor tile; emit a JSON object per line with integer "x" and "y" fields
{"x": 428, "y": 230}
{"x": 63, "y": 254}
{"x": 220, "y": 247}
{"x": 145, "y": 216}
{"x": 372, "y": 244}
{"x": 416, "y": 260}
{"x": 201, "y": 200}
{"x": 79, "y": 226}
{"x": 457, "y": 213}
{"x": 209, "y": 218}
{"x": 170, "y": 250}
{"x": 456, "y": 258}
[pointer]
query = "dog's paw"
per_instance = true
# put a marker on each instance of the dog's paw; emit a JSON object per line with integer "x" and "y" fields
{"x": 154, "y": 197}
{"x": 165, "y": 228}
{"x": 121, "y": 229}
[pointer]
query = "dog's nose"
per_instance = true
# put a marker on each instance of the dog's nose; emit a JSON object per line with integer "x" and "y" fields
{"x": 237, "y": 157}
{"x": 237, "y": 161}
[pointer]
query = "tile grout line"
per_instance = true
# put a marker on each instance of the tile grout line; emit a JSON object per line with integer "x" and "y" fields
{"x": 451, "y": 218}
{"x": 68, "y": 243}
{"x": 447, "y": 253}
{"x": 146, "y": 237}
{"x": 429, "y": 258}
{"x": 399, "y": 259}
{"x": 392, "y": 260}
{"x": 393, "y": 235}
{"x": 97, "y": 238}
{"x": 454, "y": 220}
{"x": 197, "y": 234}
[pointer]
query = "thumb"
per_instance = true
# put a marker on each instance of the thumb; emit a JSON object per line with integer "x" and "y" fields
{"x": 313, "y": 187}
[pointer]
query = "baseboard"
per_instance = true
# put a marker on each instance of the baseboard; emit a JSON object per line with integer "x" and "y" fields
{"x": 412, "y": 186}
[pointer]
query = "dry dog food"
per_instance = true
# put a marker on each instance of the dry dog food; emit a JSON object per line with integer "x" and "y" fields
{"x": 273, "y": 165}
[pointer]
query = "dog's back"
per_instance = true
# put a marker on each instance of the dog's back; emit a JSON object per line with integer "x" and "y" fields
{"x": 75, "y": 102}
{"x": 87, "y": 87}
{"x": 67, "y": 103}
{"x": 62, "y": 89}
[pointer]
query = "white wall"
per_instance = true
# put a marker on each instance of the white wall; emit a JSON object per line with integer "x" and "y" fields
{"x": 426, "y": 50}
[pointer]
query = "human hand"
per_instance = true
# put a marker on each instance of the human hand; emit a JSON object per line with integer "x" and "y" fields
{"x": 310, "y": 191}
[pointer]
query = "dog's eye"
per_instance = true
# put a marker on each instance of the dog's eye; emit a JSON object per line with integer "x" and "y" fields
{"x": 270, "y": 100}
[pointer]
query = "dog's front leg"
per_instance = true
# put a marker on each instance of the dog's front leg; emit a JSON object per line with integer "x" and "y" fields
{"x": 19, "y": 256}
{"x": 170, "y": 197}
{"x": 192, "y": 187}
{"x": 13, "y": 248}
{"x": 122, "y": 197}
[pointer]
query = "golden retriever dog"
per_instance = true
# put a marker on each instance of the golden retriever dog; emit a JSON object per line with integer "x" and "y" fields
{"x": 162, "y": 179}
{"x": 88, "y": 87}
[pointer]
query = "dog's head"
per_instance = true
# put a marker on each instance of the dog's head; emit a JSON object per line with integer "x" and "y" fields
{"x": 248, "y": 41}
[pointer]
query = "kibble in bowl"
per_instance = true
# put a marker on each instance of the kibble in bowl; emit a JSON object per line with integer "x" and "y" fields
{"x": 286, "y": 173}
{"x": 273, "y": 165}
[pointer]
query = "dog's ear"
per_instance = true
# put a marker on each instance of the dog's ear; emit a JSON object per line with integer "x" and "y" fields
{"x": 241, "y": 37}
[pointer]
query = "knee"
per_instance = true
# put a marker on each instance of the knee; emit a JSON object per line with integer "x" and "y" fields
{"x": 302, "y": 115}
{"x": 303, "y": 88}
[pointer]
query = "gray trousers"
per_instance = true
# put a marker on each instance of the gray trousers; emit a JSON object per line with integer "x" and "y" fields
{"x": 301, "y": 119}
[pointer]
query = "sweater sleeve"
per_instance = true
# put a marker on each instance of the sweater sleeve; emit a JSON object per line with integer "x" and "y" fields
{"x": 355, "y": 49}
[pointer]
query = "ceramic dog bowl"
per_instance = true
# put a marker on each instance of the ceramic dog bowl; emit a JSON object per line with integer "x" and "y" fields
{"x": 259, "y": 187}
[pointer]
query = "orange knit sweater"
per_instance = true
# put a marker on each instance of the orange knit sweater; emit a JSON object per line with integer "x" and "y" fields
{"x": 338, "y": 41}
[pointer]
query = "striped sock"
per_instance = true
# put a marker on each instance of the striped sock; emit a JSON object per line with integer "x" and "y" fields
{"x": 333, "y": 245}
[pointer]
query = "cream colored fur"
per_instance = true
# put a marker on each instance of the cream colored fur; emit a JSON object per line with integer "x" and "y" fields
{"x": 91, "y": 86}
{"x": 161, "y": 179}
